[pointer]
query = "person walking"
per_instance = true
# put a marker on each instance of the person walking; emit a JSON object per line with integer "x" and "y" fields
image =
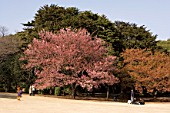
{"x": 30, "y": 90}
{"x": 33, "y": 90}
{"x": 132, "y": 96}
{"x": 19, "y": 92}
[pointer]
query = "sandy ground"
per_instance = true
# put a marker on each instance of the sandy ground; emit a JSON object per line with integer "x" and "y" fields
{"x": 39, "y": 104}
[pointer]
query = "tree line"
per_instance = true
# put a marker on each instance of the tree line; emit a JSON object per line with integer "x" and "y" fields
{"x": 81, "y": 50}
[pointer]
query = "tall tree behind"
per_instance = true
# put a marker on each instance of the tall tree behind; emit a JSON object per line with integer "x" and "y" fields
{"x": 136, "y": 37}
{"x": 52, "y": 18}
{"x": 119, "y": 35}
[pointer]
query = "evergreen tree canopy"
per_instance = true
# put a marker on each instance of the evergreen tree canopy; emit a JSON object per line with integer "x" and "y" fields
{"x": 119, "y": 35}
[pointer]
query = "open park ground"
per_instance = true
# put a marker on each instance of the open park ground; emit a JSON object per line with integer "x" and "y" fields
{"x": 40, "y": 104}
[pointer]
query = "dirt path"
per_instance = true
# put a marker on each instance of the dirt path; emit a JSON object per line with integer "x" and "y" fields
{"x": 39, "y": 104}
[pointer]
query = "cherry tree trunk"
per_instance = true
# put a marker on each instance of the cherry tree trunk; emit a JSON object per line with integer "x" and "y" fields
{"x": 107, "y": 93}
{"x": 73, "y": 88}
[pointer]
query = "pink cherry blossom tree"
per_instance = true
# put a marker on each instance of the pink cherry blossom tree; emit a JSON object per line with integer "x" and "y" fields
{"x": 61, "y": 58}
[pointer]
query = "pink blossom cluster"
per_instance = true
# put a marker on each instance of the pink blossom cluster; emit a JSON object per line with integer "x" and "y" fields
{"x": 63, "y": 56}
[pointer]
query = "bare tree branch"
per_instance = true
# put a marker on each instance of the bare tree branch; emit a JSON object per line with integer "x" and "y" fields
{"x": 3, "y": 31}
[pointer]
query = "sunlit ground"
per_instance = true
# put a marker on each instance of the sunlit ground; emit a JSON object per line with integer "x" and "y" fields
{"x": 39, "y": 104}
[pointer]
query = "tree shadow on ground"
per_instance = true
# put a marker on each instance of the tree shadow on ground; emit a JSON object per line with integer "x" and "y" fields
{"x": 8, "y": 96}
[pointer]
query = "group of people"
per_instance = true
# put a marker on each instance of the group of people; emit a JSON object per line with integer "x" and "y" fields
{"x": 31, "y": 90}
{"x": 20, "y": 90}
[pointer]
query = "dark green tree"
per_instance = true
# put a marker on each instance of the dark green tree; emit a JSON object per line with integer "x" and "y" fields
{"x": 10, "y": 72}
{"x": 164, "y": 44}
{"x": 134, "y": 36}
{"x": 119, "y": 35}
{"x": 52, "y": 18}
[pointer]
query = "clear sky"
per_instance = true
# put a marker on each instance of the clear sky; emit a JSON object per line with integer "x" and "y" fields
{"x": 154, "y": 14}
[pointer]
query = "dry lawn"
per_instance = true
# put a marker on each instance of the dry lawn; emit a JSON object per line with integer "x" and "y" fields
{"x": 39, "y": 104}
